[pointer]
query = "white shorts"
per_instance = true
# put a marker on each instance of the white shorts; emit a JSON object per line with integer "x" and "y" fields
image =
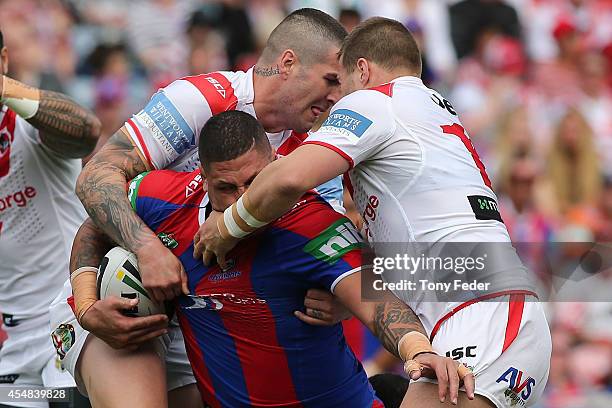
{"x": 506, "y": 343}
{"x": 27, "y": 358}
{"x": 69, "y": 339}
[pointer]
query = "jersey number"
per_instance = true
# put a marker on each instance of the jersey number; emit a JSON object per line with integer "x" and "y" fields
{"x": 458, "y": 130}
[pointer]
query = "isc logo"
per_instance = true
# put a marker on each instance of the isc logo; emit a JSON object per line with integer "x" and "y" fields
{"x": 193, "y": 185}
{"x": 516, "y": 384}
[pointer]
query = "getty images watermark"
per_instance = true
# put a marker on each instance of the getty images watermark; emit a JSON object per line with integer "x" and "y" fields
{"x": 460, "y": 271}
{"x": 412, "y": 265}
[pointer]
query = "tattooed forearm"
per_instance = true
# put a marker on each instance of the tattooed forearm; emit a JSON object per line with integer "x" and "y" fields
{"x": 89, "y": 246}
{"x": 266, "y": 71}
{"x": 65, "y": 127}
{"x": 101, "y": 187}
{"x": 391, "y": 321}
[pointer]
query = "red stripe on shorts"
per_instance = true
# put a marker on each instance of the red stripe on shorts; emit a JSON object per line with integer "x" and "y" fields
{"x": 478, "y": 299}
{"x": 515, "y": 315}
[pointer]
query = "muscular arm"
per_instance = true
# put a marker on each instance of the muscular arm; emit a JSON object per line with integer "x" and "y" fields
{"x": 89, "y": 246}
{"x": 280, "y": 185}
{"x": 65, "y": 127}
{"x": 389, "y": 319}
{"x": 101, "y": 187}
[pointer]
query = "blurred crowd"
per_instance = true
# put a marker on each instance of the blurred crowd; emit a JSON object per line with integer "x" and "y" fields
{"x": 530, "y": 79}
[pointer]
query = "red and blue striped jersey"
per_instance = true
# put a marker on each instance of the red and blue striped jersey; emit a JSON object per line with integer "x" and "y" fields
{"x": 245, "y": 345}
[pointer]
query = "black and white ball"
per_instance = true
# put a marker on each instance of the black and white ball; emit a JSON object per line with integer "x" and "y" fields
{"x": 118, "y": 275}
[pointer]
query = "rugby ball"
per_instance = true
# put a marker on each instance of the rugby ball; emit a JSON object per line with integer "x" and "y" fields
{"x": 118, "y": 275}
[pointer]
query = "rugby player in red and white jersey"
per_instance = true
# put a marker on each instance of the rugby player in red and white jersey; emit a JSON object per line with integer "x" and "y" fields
{"x": 43, "y": 136}
{"x": 416, "y": 178}
{"x": 294, "y": 81}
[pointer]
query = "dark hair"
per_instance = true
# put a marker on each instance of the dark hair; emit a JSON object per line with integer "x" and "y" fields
{"x": 349, "y": 13}
{"x": 383, "y": 41}
{"x": 100, "y": 56}
{"x": 305, "y": 31}
{"x": 1, "y": 40}
{"x": 390, "y": 388}
{"x": 229, "y": 135}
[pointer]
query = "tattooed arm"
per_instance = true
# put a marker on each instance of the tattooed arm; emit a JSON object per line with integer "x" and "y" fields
{"x": 389, "y": 319}
{"x": 65, "y": 127}
{"x": 101, "y": 187}
{"x": 106, "y": 318}
{"x": 89, "y": 246}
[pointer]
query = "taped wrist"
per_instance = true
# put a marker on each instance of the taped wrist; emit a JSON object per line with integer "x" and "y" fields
{"x": 84, "y": 289}
{"x": 19, "y": 97}
{"x": 238, "y": 220}
{"x": 413, "y": 343}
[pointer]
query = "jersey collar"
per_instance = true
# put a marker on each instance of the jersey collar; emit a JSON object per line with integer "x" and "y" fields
{"x": 409, "y": 79}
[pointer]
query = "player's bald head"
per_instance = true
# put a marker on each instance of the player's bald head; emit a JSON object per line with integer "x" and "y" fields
{"x": 308, "y": 32}
{"x": 383, "y": 41}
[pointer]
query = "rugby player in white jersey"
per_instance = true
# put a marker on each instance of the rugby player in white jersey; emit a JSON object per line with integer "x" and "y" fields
{"x": 294, "y": 81}
{"x": 43, "y": 136}
{"x": 415, "y": 178}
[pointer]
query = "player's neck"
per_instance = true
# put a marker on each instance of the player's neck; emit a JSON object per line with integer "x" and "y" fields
{"x": 379, "y": 77}
{"x": 265, "y": 104}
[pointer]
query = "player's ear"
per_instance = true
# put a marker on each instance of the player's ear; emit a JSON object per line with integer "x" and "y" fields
{"x": 4, "y": 60}
{"x": 202, "y": 171}
{"x": 364, "y": 71}
{"x": 288, "y": 61}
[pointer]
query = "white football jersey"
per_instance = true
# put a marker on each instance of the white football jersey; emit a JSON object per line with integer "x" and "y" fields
{"x": 167, "y": 130}
{"x": 39, "y": 217}
{"x": 414, "y": 174}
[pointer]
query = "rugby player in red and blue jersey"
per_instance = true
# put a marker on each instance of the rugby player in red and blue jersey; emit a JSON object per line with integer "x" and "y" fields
{"x": 246, "y": 346}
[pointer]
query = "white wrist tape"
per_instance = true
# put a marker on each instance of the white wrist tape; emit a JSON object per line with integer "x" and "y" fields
{"x": 20, "y": 98}
{"x": 81, "y": 270}
{"x": 230, "y": 223}
{"x": 246, "y": 215}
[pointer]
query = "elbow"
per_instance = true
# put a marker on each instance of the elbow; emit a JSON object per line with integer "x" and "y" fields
{"x": 81, "y": 184}
{"x": 292, "y": 184}
{"x": 93, "y": 131}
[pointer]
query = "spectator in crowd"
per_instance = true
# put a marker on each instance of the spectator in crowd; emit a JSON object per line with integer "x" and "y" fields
{"x": 155, "y": 30}
{"x": 573, "y": 172}
{"x": 596, "y": 104}
{"x": 514, "y": 137}
{"x": 207, "y": 47}
{"x": 468, "y": 18}
{"x": 349, "y": 18}
{"x": 111, "y": 70}
{"x": 529, "y": 228}
{"x": 564, "y": 68}
{"x": 488, "y": 82}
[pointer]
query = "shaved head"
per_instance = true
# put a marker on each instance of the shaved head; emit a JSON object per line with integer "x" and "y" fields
{"x": 308, "y": 32}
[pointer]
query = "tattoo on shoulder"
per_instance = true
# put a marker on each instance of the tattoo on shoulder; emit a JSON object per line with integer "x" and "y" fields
{"x": 266, "y": 71}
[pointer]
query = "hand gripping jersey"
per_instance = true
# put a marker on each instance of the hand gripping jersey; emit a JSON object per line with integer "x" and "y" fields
{"x": 416, "y": 177}
{"x": 167, "y": 130}
{"x": 39, "y": 217}
{"x": 246, "y": 347}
